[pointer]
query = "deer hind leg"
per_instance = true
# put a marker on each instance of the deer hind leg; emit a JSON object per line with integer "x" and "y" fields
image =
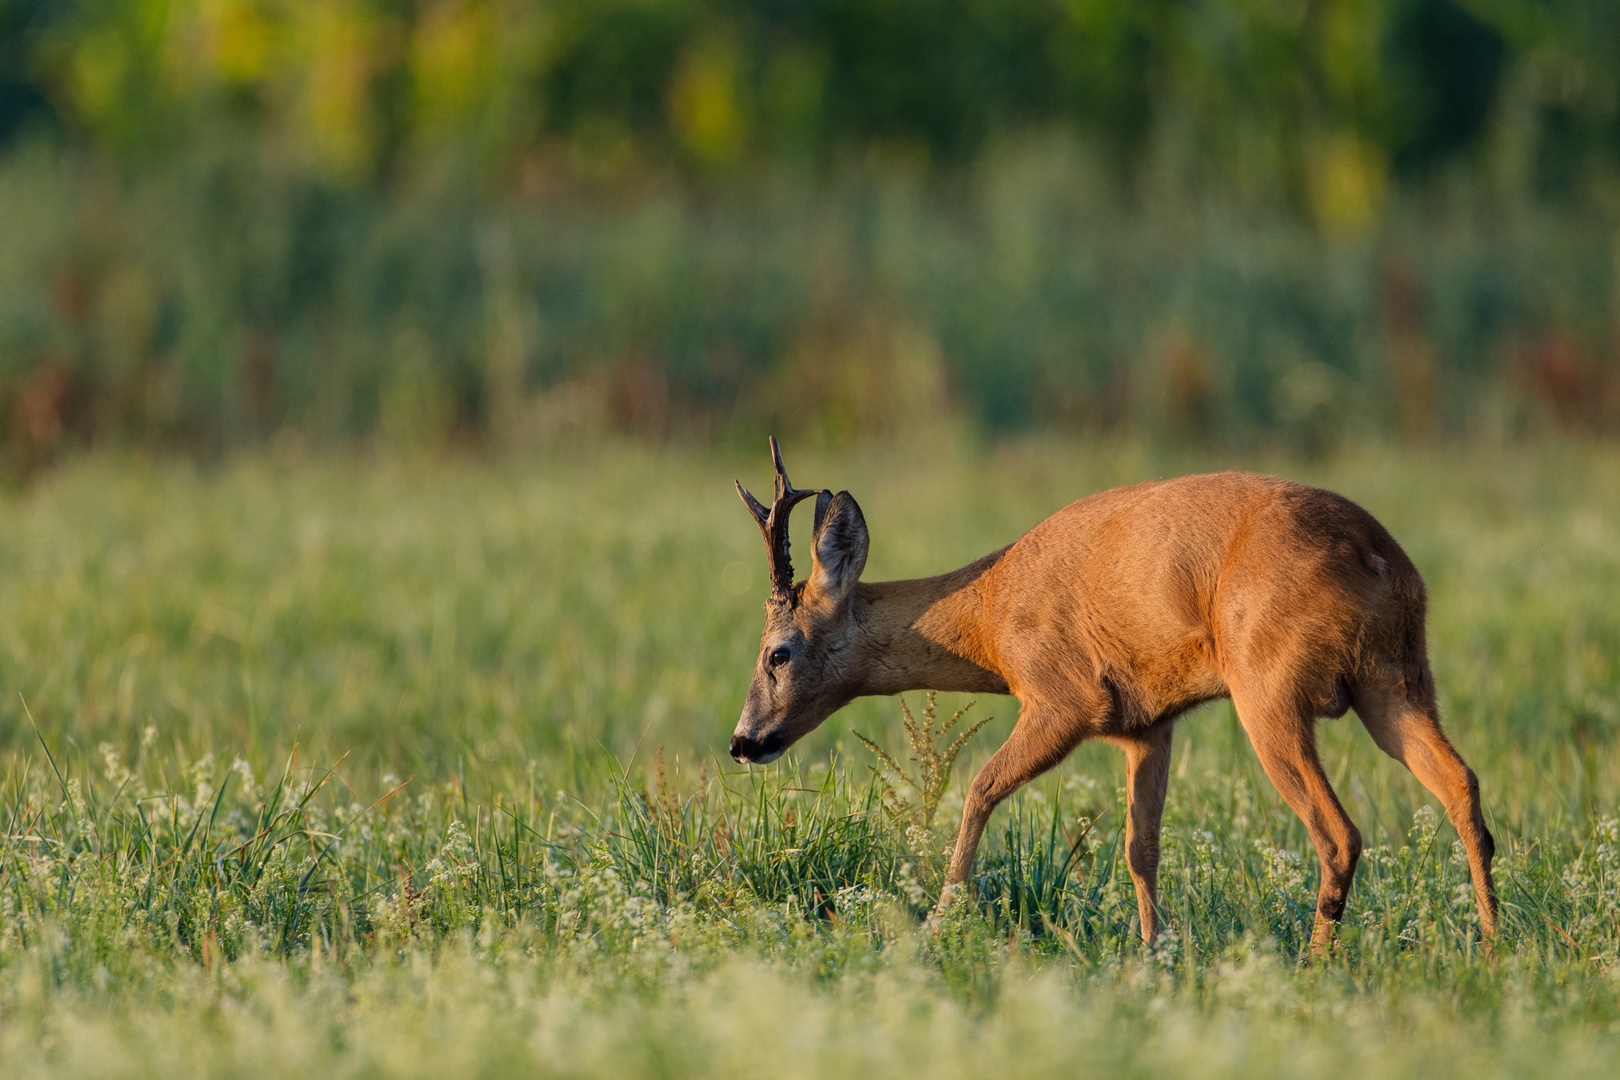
{"x": 1038, "y": 741}
{"x": 1147, "y": 776}
{"x": 1406, "y": 726}
{"x": 1284, "y": 738}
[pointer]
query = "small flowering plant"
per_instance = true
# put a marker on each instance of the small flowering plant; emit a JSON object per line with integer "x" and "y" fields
{"x": 912, "y": 800}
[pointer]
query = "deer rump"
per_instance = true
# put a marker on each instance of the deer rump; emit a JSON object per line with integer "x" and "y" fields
{"x": 1111, "y": 619}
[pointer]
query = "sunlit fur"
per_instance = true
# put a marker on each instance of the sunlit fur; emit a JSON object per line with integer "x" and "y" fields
{"x": 1114, "y": 617}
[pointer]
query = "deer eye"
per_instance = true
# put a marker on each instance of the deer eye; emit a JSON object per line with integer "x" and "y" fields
{"x": 780, "y": 655}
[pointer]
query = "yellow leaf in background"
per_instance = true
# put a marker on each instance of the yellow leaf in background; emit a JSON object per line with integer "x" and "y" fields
{"x": 1349, "y": 179}
{"x": 703, "y": 105}
{"x": 450, "y": 53}
{"x": 240, "y": 39}
{"x": 338, "y": 42}
{"x": 100, "y": 66}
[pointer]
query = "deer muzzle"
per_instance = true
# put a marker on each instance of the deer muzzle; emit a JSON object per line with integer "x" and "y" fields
{"x": 757, "y": 752}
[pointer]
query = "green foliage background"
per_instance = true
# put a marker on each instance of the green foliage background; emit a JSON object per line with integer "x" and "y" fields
{"x": 489, "y": 220}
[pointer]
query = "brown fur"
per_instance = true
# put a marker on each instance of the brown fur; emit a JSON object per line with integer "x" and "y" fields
{"x": 1115, "y": 616}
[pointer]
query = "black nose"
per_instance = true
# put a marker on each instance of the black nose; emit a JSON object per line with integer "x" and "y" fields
{"x": 743, "y": 748}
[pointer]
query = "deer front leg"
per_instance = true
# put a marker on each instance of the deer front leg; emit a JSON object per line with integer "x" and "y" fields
{"x": 1147, "y": 776}
{"x": 1036, "y": 744}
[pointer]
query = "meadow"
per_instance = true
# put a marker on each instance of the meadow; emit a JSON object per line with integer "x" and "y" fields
{"x": 360, "y": 765}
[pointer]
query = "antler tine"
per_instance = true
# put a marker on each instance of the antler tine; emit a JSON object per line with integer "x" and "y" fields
{"x": 783, "y": 487}
{"x": 773, "y": 523}
{"x": 755, "y": 507}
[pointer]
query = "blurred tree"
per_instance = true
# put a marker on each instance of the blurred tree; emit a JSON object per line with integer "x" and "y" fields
{"x": 723, "y": 84}
{"x": 225, "y": 195}
{"x": 22, "y": 100}
{"x": 1446, "y": 66}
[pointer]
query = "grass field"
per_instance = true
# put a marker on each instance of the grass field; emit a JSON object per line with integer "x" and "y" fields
{"x": 334, "y": 766}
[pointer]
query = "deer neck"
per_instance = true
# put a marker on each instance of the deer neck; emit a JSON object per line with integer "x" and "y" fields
{"x": 927, "y": 634}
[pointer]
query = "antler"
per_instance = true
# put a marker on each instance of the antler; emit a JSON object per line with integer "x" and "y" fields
{"x": 774, "y": 523}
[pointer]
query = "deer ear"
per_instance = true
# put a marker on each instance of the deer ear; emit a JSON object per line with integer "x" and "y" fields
{"x": 839, "y": 545}
{"x": 823, "y": 500}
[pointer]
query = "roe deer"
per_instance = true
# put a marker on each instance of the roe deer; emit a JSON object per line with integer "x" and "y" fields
{"x": 1111, "y": 619}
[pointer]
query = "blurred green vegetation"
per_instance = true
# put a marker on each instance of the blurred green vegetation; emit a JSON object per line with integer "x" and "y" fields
{"x": 492, "y": 221}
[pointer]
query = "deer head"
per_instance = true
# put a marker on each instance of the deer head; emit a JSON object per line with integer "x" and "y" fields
{"x": 807, "y": 654}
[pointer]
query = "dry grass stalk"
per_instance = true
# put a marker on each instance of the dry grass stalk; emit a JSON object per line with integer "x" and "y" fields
{"x": 933, "y": 759}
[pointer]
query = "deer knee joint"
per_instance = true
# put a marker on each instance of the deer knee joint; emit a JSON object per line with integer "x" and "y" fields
{"x": 1339, "y": 857}
{"x": 1142, "y": 855}
{"x": 1352, "y": 848}
{"x": 984, "y": 794}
